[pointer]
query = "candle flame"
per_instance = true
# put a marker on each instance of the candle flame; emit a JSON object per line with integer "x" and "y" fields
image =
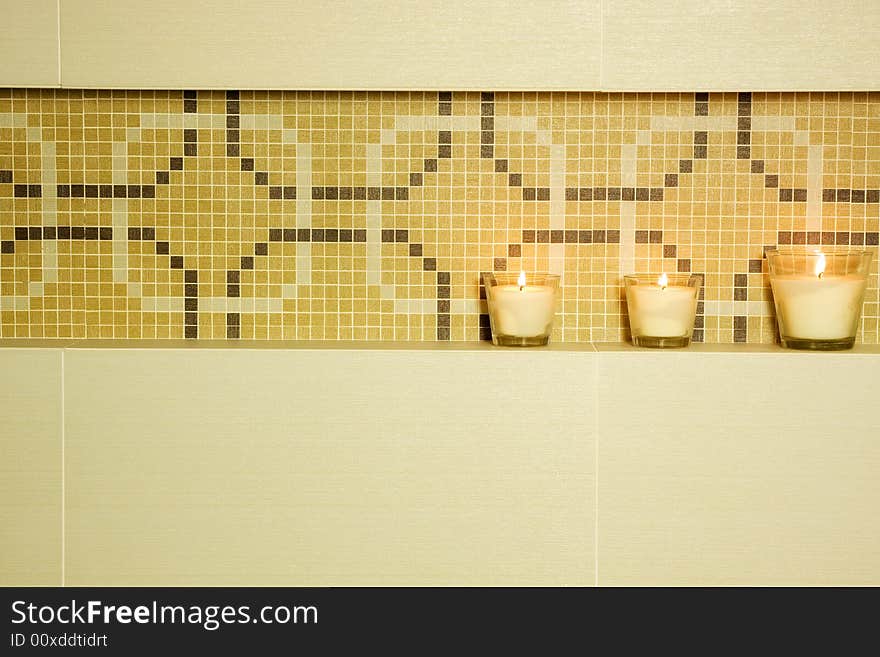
{"x": 819, "y": 269}
{"x": 521, "y": 281}
{"x": 663, "y": 281}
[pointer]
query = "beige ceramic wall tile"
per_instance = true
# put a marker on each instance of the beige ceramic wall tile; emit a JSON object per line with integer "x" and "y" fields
{"x": 29, "y": 43}
{"x": 716, "y": 46}
{"x": 30, "y": 469}
{"x": 337, "y": 45}
{"x": 329, "y": 467}
{"x": 718, "y": 469}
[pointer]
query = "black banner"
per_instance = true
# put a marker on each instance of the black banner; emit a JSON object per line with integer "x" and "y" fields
{"x": 412, "y": 620}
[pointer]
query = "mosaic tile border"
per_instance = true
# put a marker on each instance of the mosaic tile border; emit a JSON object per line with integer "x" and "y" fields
{"x": 557, "y": 236}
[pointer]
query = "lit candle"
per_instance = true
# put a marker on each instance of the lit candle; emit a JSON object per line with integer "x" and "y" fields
{"x": 818, "y": 305}
{"x": 661, "y": 312}
{"x": 521, "y": 310}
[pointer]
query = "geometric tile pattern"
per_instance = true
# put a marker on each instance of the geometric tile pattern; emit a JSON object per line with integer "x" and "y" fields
{"x": 370, "y": 215}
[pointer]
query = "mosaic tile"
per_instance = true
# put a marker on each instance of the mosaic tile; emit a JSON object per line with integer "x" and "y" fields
{"x": 369, "y": 216}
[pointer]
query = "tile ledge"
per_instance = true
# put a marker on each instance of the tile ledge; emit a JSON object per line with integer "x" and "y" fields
{"x": 468, "y": 346}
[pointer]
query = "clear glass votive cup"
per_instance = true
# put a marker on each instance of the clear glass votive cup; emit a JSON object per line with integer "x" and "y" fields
{"x": 662, "y": 308}
{"x": 818, "y": 294}
{"x": 521, "y": 307}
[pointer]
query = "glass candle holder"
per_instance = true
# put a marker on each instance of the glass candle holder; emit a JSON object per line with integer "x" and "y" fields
{"x": 662, "y": 308}
{"x": 521, "y": 307}
{"x": 818, "y": 293}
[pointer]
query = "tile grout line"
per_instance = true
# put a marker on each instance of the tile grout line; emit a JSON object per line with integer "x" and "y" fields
{"x": 596, "y": 425}
{"x": 602, "y": 10}
{"x": 58, "y": 36}
{"x": 63, "y": 459}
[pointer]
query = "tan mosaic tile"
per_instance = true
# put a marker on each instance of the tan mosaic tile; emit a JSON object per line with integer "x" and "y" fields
{"x": 368, "y": 216}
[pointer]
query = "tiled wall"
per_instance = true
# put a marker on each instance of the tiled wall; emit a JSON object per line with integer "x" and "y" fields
{"x": 368, "y": 216}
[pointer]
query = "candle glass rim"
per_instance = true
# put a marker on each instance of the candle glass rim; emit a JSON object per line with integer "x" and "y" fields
{"x": 816, "y": 250}
{"x": 491, "y": 278}
{"x": 676, "y": 279}
{"x": 838, "y": 260}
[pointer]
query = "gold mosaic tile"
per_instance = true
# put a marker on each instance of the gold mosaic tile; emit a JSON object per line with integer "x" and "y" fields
{"x": 368, "y": 216}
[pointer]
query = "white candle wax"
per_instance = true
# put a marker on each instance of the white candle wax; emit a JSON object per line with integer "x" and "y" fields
{"x": 661, "y": 312}
{"x": 522, "y": 312}
{"x": 818, "y": 308}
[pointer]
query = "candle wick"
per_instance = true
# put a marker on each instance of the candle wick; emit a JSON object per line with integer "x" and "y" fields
{"x": 820, "y": 274}
{"x": 521, "y": 288}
